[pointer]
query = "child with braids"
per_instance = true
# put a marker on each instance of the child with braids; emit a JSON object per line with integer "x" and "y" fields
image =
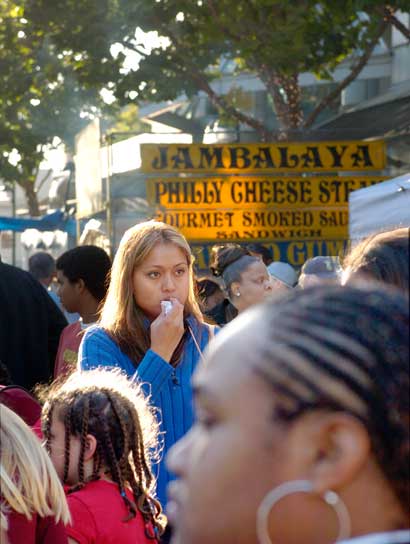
{"x": 102, "y": 436}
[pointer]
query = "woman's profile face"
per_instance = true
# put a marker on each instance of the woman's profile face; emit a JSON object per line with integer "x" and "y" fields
{"x": 255, "y": 286}
{"x": 232, "y": 456}
{"x": 163, "y": 275}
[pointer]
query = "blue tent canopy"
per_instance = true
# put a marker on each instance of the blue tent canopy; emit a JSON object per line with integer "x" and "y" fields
{"x": 53, "y": 221}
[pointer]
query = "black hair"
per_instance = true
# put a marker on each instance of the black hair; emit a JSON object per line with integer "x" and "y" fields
{"x": 206, "y": 287}
{"x": 345, "y": 349}
{"x": 41, "y": 265}
{"x": 265, "y": 252}
{"x": 90, "y": 264}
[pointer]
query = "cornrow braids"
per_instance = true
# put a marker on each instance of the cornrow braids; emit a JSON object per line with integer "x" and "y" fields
{"x": 345, "y": 349}
{"x": 107, "y": 405}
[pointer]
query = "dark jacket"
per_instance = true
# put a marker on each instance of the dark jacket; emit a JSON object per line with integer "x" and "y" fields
{"x": 222, "y": 313}
{"x": 30, "y": 327}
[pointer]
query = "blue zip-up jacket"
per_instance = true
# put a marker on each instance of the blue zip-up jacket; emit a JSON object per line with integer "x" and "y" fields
{"x": 169, "y": 388}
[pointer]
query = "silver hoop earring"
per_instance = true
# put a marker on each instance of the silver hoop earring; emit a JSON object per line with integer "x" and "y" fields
{"x": 299, "y": 486}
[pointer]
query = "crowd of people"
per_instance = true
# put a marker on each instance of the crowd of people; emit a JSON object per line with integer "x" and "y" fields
{"x": 249, "y": 405}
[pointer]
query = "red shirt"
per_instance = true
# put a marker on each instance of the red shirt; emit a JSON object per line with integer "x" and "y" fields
{"x": 70, "y": 340}
{"x": 35, "y": 531}
{"x": 98, "y": 511}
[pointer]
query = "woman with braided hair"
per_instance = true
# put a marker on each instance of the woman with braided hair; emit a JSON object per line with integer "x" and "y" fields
{"x": 102, "y": 437}
{"x": 302, "y": 432}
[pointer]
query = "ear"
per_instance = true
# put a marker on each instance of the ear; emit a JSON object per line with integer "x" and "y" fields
{"x": 341, "y": 447}
{"x": 80, "y": 285}
{"x": 90, "y": 447}
{"x": 235, "y": 288}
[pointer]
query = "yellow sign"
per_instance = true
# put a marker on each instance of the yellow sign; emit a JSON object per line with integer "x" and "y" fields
{"x": 261, "y": 158}
{"x": 239, "y": 208}
{"x": 258, "y": 224}
{"x": 294, "y": 252}
{"x": 251, "y": 191}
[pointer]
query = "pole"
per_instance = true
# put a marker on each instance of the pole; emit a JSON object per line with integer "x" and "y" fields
{"x": 108, "y": 203}
{"x": 13, "y": 211}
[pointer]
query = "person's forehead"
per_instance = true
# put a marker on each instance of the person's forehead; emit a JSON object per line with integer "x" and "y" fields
{"x": 56, "y": 422}
{"x": 257, "y": 267}
{"x": 169, "y": 249}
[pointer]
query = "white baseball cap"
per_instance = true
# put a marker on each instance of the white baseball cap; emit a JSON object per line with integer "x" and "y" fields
{"x": 283, "y": 272}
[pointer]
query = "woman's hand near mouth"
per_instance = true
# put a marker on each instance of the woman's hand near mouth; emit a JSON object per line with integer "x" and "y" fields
{"x": 167, "y": 330}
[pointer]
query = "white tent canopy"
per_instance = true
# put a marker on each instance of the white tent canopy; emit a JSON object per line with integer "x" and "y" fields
{"x": 380, "y": 207}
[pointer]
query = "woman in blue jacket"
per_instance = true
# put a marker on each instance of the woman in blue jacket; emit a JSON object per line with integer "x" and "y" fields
{"x": 151, "y": 326}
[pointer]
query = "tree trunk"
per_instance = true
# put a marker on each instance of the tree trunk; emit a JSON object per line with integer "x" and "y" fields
{"x": 286, "y": 95}
{"x": 293, "y": 94}
{"x": 31, "y": 198}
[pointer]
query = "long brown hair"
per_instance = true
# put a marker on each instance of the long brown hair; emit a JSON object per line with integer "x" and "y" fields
{"x": 121, "y": 317}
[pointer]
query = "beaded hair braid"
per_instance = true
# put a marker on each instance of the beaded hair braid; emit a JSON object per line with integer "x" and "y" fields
{"x": 345, "y": 349}
{"x": 121, "y": 453}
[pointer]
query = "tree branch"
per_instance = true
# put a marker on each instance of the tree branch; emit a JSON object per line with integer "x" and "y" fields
{"x": 45, "y": 178}
{"x": 133, "y": 47}
{"x": 219, "y": 101}
{"x": 357, "y": 68}
{"x": 389, "y": 14}
{"x": 225, "y": 30}
{"x": 203, "y": 84}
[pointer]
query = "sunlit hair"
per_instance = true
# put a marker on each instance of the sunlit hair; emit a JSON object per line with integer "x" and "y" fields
{"x": 29, "y": 482}
{"x": 344, "y": 349}
{"x": 112, "y": 408}
{"x": 4, "y": 524}
{"x": 383, "y": 257}
{"x": 121, "y": 317}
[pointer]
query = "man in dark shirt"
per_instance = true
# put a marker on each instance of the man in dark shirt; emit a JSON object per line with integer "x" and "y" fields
{"x": 30, "y": 327}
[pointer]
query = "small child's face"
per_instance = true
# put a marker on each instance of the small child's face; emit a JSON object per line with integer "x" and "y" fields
{"x": 57, "y": 450}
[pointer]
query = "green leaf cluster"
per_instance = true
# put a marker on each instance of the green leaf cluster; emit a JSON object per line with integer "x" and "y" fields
{"x": 56, "y": 55}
